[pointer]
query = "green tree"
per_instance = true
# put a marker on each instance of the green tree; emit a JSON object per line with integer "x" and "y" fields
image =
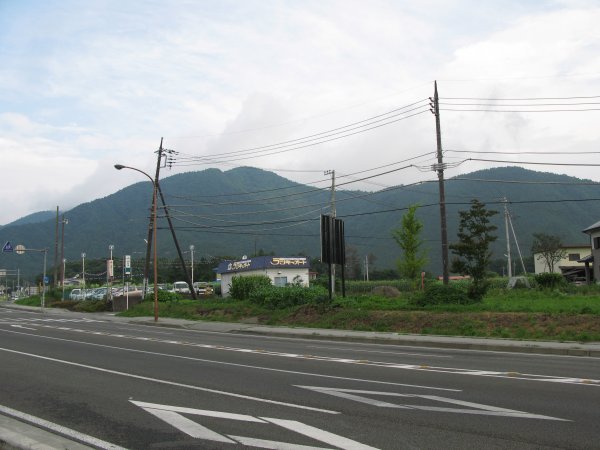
{"x": 408, "y": 237}
{"x": 472, "y": 249}
{"x": 548, "y": 249}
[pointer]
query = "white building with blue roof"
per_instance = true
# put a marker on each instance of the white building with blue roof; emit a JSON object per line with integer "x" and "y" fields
{"x": 282, "y": 270}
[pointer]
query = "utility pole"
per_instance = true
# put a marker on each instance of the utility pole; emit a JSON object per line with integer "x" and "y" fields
{"x": 150, "y": 231}
{"x": 168, "y": 217}
{"x": 506, "y": 219}
{"x": 439, "y": 167}
{"x": 64, "y": 221}
{"x": 55, "y": 251}
{"x": 332, "y": 173}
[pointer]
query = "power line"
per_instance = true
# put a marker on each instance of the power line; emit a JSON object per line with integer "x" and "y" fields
{"x": 532, "y": 162}
{"x": 521, "y": 98}
{"x": 522, "y": 110}
{"x": 301, "y": 145}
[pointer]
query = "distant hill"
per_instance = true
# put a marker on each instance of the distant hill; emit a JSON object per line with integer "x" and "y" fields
{"x": 248, "y": 210}
{"x": 36, "y": 217}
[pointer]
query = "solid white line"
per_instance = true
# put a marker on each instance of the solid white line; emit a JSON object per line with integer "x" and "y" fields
{"x": 379, "y": 351}
{"x": 170, "y": 383}
{"x": 247, "y": 366}
{"x": 81, "y": 437}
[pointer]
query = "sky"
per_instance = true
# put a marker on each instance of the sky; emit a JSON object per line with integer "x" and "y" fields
{"x": 86, "y": 85}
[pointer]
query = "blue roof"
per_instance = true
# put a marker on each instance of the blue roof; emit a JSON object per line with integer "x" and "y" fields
{"x": 263, "y": 262}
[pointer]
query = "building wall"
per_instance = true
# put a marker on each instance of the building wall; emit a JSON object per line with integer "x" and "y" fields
{"x": 291, "y": 274}
{"x": 579, "y": 252}
{"x": 595, "y": 243}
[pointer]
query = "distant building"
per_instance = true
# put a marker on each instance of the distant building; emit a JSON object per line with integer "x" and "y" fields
{"x": 281, "y": 270}
{"x": 571, "y": 265}
{"x": 594, "y": 232}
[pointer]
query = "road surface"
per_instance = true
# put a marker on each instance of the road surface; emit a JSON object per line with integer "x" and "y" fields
{"x": 110, "y": 383}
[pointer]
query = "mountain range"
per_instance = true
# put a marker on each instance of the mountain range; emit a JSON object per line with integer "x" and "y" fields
{"x": 245, "y": 211}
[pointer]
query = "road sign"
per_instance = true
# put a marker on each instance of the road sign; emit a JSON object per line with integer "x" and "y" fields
{"x": 7, "y": 247}
{"x": 20, "y": 249}
{"x": 109, "y": 267}
{"x": 127, "y": 264}
{"x": 46, "y": 280}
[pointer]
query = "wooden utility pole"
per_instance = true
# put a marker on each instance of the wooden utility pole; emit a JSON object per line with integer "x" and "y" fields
{"x": 439, "y": 167}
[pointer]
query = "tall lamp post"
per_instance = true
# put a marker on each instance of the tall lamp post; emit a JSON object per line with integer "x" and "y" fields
{"x": 154, "y": 188}
{"x": 109, "y": 273}
{"x": 83, "y": 272}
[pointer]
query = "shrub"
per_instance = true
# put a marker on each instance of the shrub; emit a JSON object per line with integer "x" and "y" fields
{"x": 549, "y": 280}
{"x": 242, "y": 287}
{"x": 440, "y": 294}
{"x": 163, "y": 296}
{"x": 92, "y": 306}
{"x": 284, "y": 297}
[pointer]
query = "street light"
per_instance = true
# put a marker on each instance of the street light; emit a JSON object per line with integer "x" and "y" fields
{"x": 154, "y": 188}
{"x": 109, "y": 274}
{"x": 83, "y": 272}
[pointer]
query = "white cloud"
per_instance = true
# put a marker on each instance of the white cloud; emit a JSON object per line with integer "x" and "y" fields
{"x": 87, "y": 85}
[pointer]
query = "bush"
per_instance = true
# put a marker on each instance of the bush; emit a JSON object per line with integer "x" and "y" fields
{"x": 549, "y": 280}
{"x": 242, "y": 287}
{"x": 163, "y": 296}
{"x": 440, "y": 294}
{"x": 92, "y": 306}
{"x": 285, "y": 297}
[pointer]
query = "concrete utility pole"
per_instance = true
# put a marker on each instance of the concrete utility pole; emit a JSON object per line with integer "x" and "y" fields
{"x": 332, "y": 173}
{"x": 55, "y": 251}
{"x": 439, "y": 167}
{"x": 64, "y": 221}
{"x": 506, "y": 219}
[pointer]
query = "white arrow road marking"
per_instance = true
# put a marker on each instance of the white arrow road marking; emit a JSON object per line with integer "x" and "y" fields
{"x": 171, "y": 415}
{"x": 21, "y": 326}
{"x": 476, "y": 408}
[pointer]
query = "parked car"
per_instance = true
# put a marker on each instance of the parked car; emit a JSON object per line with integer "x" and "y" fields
{"x": 181, "y": 287}
{"x": 76, "y": 294}
{"x": 98, "y": 294}
{"x": 203, "y": 288}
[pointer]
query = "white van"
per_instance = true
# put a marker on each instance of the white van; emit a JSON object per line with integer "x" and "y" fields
{"x": 181, "y": 287}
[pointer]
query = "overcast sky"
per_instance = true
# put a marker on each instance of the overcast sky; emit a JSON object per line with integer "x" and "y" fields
{"x": 88, "y": 84}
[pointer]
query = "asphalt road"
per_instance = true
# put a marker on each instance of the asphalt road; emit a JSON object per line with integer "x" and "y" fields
{"x": 112, "y": 383}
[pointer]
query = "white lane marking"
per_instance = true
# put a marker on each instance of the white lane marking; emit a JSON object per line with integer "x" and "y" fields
{"x": 21, "y": 326}
{"x": 379, "y": 351}
{"x": 320, "y": 435}
{"x": 171, "y": 415}
{"x": 76, "y": 435}
{"x": 475, "y": 408}
{"x": 246, "y": 366}
{"x": 273, "y": 445}
{"x": 188, "y": 426}
{"x": 424, "y": 368}
{"x": 170, "y": 383}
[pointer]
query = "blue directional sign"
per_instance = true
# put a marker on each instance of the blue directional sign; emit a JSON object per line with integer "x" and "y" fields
{"x": 8, "y": 248}
{"x": 46, "y": 280}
